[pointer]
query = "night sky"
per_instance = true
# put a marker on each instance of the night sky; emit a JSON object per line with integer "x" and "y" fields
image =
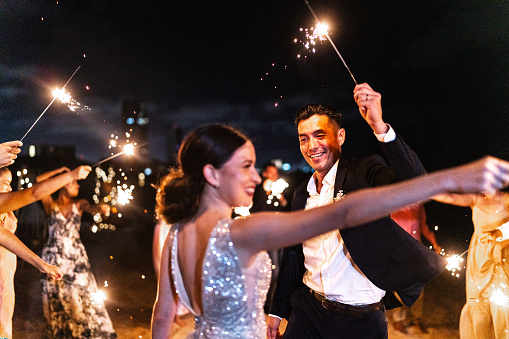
{"x": 442, "y": 69}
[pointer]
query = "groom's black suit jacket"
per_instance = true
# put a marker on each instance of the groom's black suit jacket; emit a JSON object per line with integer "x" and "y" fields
{"x": 385, "y": 253}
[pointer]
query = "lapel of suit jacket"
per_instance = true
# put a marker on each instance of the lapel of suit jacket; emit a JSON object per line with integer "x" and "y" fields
{"x": 341, "y": 175}
{"x": 301, "y": 196}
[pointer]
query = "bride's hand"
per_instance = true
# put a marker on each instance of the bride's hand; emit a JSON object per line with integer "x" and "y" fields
{"x": 486, "y": 176}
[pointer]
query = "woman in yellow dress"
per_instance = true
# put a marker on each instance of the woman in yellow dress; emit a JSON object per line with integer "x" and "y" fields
{"x": 486, "y": 312}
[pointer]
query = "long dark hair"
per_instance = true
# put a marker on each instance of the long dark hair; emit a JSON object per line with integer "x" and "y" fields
{"x": 179, "y": 192}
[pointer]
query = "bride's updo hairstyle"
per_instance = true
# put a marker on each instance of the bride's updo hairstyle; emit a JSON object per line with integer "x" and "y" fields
{"x": 180, "y": 191}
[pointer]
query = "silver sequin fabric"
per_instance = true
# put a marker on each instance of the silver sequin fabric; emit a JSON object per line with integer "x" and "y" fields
{"x": 233, "y": 297}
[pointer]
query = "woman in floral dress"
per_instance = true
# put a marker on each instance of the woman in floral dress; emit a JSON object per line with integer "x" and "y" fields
{"x": 72, "y": 306}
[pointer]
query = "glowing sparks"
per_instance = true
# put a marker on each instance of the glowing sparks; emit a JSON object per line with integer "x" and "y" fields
{"x": 270, "y": 78}
{"x": 66, "y": 98}
{"x": 277, "y": 187}
{"x": 47, "y": 107}
{"x": 124, "y": 194}
{"x": 242, "y": 211}
{"x": 324, "y": 32}
{"x": 498, "y": 297}
{"x": 454, "y": 263}
{"x": 129, "y": 149}
{"x": 99, "y": 297}
{"x": 312, "y": 36}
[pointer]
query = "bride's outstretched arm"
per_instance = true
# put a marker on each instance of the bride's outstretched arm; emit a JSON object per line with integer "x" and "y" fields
{"x": 269, "y": 230}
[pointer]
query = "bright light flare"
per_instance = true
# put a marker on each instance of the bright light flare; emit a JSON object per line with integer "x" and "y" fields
{"x": 454, "y": 263}
{"x": 499, "y": 298}
{"x": 99, "y": 297}
{"x": 66, "y": 98}
{"x": 62, "y": 95}
{"x": 321, "y": 31}
{"x": 242, "y": 211}
{"x": 312, "y": 36}
{"x": 124, "y": 195}
{"x": 129, "y": 149}
{"x": 278, "y": 187}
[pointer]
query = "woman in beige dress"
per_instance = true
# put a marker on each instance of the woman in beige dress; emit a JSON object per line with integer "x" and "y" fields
{"x": 486, "y": 312}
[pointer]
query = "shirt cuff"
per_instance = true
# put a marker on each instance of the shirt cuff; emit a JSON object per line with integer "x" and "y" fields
{"x": 275, "y": 316}
{"x": 388, "y": 136}
{"x": 504, "y": 228}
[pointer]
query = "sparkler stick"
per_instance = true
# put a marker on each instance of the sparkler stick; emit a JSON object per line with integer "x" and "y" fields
{"x": 112, "y": 157}
{"x": 49, "y": 104}
{"x": 331, "y": 42}
{"x": 128, "y": 149}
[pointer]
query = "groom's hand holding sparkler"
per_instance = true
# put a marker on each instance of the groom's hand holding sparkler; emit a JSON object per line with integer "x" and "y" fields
{"x": 370, "y": 107}
{"x": 9, "y": 151}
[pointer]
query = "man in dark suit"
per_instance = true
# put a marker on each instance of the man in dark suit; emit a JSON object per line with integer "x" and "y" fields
{"x": 338, "y": 285}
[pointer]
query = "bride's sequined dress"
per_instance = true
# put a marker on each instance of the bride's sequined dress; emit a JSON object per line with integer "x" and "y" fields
{"x": 232, "y": 296}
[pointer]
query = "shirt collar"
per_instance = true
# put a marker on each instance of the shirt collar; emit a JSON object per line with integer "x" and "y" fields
{"x": 329, "y": 179}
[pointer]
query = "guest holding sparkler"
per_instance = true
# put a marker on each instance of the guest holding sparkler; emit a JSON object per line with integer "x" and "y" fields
{"x": 269, "y": 195}
{"x": 12, "y": 246}
{"x": 217, "y": 266}
{"x": 485, "y": 314}
{"x": 72, "y": 306}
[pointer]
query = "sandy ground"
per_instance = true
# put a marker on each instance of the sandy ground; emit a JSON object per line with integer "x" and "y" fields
{"x": 122, "y": 260}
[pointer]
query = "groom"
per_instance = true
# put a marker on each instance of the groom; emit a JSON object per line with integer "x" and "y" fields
{"x": 338, "y": 285}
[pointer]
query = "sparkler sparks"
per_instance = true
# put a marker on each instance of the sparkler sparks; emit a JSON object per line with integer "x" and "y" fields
{"x": 270, "y": 77}
{"x": 47, "y": 107}
{"x": 276, "y": 189}
{"x": 499, "y": 297}
{"x": 331, "y": 42}
{"x": 319, "y": 33}
{"x": 242, "y": 211}
{"x": 124, "y": 194}
{"x": 99, "y": 297}
{"x": 128, "y": 149}
{"x": 455, "y": 263}
{"x": 66, "y": 98}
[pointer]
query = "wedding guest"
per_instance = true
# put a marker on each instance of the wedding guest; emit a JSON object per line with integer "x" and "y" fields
{"x": 70, "y": 305}
{"x": 485, "y": 315}
{"x": 11, "y": 247}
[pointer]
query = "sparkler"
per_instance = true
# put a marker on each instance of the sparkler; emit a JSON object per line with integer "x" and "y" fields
{"x": 66, "y": 98}
{"x": 455, "y": 263}
{"x": 128, "y": 149}
{"x": 311, "y": 39}
{"x": 47, "y": 107}
{"x": 276, "y": 189}
{"x": 242, "y": 211}
{"x": 330, "y": 40}
{"x": 499, "y": 297}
